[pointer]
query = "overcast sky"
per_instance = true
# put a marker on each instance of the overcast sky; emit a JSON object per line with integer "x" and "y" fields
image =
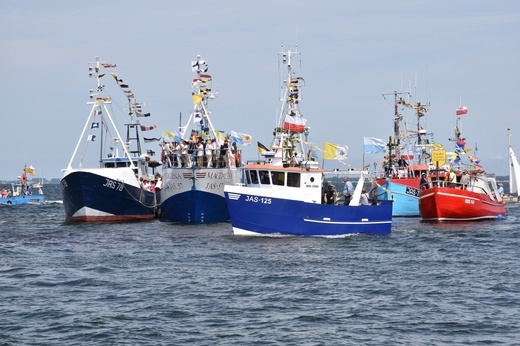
{"x": 443, "y": 51}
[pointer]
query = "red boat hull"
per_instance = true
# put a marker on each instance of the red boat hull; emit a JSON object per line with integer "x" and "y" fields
{"x": 454, "y": 204}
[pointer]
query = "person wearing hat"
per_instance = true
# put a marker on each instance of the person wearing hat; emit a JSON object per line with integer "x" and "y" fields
{"x": 500, "y": 190}
{"x": 423, "y": 184}
{"x": 464, "y": 180}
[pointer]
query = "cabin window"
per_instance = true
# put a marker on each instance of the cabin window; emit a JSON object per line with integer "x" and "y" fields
{"x": 264, "y": 177}
{"x": 278, "y": 178}
{"x": 253, "y": 177}
{"x": 293, "y": 179}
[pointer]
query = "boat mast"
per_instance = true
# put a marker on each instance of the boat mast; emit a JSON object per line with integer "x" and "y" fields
{"x": 395, "y": 141}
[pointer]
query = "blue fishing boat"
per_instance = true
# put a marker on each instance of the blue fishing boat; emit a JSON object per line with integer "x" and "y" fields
{"x": 407, "y": 159}
{"x": 121, "y": 187}
{"x": 23, "y": 192}
{"x": 198, "y": 161}
{"x": 283, "y": 195}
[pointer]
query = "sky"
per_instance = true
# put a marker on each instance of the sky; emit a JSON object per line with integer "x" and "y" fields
{"x": 444, "y": 52}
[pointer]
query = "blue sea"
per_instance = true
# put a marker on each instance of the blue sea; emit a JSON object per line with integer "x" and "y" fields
{"x": 157, "y": 283}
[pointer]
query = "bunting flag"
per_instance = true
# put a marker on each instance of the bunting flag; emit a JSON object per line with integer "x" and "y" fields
{"x": 461, "y": 110}
{"x": 94, "y": 126}
{"x": 460, "y": 145}
{"x": 373, "y": 145}
{"x": 241, "y": 138}
{"x": 220, "y": 137}
{"x": 200, "y": 66}
{"x": 29, "y": 170}
{"x": 91, "y": 138}
{"x": 148, "y": 128}
{"x": 140, "y": 114}
{"x": 148, "y": 140}
{"x": 197, "y": 117}
{"x": 294, "y": 123}
{"x": 197, "y": 98}
{"x": 335, "y": 152}
{"x": 172, "y": 136}
{"x": 262, "y": 148}
{"x": 116, "y": 78}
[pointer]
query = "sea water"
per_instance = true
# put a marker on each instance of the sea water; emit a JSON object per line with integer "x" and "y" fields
{"x": 157, "y": 283}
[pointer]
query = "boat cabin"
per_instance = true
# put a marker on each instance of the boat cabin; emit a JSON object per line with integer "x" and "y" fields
{"x": 300, "y": 182}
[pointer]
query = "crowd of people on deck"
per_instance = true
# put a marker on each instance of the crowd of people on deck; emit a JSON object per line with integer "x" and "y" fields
{"x": 201, "y": 153}
{"x": 153, "y": 185}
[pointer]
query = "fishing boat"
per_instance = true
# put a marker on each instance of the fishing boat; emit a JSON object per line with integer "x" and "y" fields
{"x": 282, "y": 194}
{"x": 198, "y": 161}
{"x": 463, "y": 192}
{"x": 23, "y": 192}
{"x": 408, "y": 158}
{"x": 117, "y": 184}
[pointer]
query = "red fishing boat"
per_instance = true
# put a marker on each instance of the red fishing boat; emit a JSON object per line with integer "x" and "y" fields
{"x": 464, "y": 192}
{"x": 477, "y": 200}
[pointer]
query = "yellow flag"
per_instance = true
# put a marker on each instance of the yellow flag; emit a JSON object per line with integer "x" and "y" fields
{"x": 335, "y": 152}
{"x": 220, "y": 137}
{"x": 197, "y": 98}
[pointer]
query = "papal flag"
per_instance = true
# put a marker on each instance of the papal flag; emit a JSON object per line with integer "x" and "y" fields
{"x": 220, "y": 137}
{"x": 373, "y": 145}
{"x": 335, "y": 152}
{"x": 172, "y": 136}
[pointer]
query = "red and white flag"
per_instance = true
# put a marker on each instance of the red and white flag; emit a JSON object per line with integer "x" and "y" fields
{"x": 461, "y": 110}
{"x": 294, "y": 123}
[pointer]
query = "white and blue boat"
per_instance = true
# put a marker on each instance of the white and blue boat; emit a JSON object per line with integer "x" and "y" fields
{"x": 23, "y": 192}
{"x": 193, "y": 186}
{"x": 282, "y": 195}
{"x": 111, "y": 185}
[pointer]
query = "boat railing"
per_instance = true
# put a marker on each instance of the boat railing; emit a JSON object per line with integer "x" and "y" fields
{"x": 458, "y": 185}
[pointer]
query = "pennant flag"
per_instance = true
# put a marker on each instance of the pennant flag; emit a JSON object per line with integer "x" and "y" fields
{"x": 148, "y": 140}
{"x": 148, "y": 128}
{"x": 335, "y": 152}
{"x": 124, "y": 86}
{"x": 240, "y": 138}
{"x": 29, "y": 170}
{"x": 373, "y": 145}
{"x": 94, "y": 126}
{"x": 172, "y": 136}
{"x": 91, "y": 138}
{"x": 294, "y": 123}
{"x": 262, "y": 148}
{"x": 461, "y": 110}
{"x": 220, "y": 137}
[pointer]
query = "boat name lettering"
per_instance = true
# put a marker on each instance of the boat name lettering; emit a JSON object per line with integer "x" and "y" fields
{"x": 214, "y": 186}
{"x": 213, "y": 175}
{"x": 256, "y": 199}
{"x": 412, "y": 191}
{"x": 172, "y": 175}
{"x": 313, "y": 186}
{"x": 114, "y": 185}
